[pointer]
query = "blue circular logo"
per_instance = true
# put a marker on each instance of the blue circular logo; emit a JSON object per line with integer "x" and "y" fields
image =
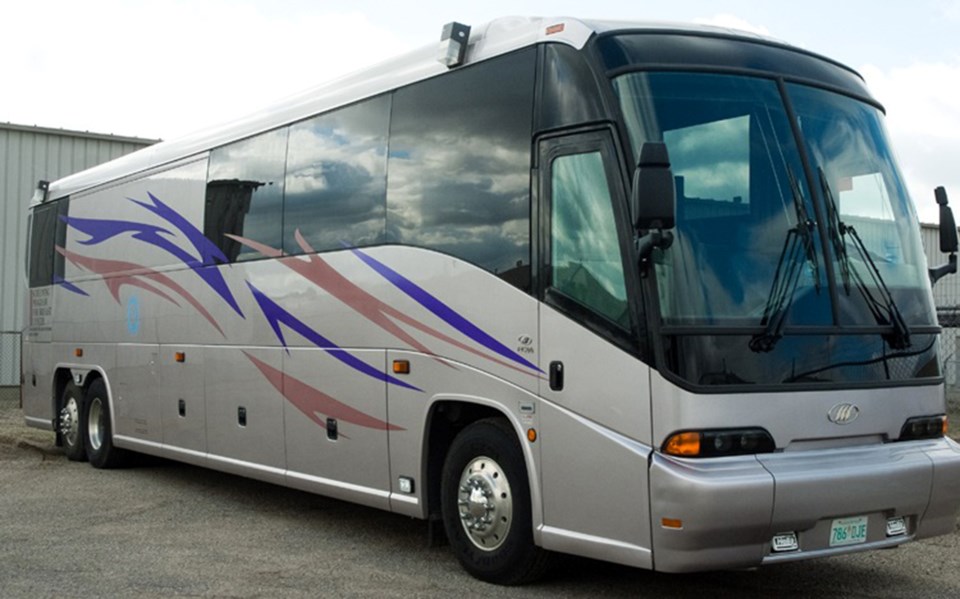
{"x": 133, "y": 315}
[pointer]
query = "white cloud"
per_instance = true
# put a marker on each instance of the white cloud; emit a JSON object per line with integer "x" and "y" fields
{"x": 161, "y": 69}
{"x": 729, "y": 21}
{"x": 950, "y": 9}
{"x": 923, "y": 118}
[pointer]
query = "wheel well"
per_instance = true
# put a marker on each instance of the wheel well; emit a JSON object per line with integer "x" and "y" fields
{"x": 92, "y": 377}
{"x": 61, "y": 379}
{"x": 446, "y": 420}
{"x": 64, "y": 377}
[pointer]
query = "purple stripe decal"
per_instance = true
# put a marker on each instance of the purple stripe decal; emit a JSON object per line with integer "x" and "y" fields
{"x": 276, "y": 316}
{"x": 100, "y": 230}
{"x": 69, "y": 286}
{"x": 443, "y": 311}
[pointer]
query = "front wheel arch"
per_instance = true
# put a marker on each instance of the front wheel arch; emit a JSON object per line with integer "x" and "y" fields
{"x": 486, "y": 505}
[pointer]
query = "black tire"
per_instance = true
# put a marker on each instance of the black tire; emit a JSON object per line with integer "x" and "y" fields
{"x": 70, "y": 430}
{"x": 485, "y": 468}
{"x": 99, "y": 432}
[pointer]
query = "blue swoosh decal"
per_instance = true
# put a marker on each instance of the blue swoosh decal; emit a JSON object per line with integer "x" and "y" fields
{"x": 443, "y": 311}
{"x": 276, "y": 316}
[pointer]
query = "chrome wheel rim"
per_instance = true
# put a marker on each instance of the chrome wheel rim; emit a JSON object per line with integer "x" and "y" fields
{"x": 70, "y": 422}
{"x": 95, "y": 424}
{"x": 485, "y": 503}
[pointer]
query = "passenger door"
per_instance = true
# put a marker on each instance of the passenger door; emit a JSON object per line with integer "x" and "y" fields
{"x": 595, "y": 417}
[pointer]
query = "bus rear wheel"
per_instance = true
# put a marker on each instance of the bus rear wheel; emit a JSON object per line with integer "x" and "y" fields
{"x": 100, "y": 449}
{"x": 70, "y": 424}
{"x": 485, "y": 501}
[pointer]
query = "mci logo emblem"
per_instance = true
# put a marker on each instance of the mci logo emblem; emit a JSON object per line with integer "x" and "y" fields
{"x": 843, "y": 413}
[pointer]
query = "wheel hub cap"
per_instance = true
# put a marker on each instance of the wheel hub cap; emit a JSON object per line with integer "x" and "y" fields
{"x": 70, "y": 421}
{"x": 485, "y": 503}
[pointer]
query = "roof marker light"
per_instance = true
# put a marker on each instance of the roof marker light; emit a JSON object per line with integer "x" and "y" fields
{"x": 453, "y": 44}
{"x": 558, "y": 28}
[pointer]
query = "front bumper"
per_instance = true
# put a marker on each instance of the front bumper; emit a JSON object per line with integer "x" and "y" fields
{"x": 730, "y": 508}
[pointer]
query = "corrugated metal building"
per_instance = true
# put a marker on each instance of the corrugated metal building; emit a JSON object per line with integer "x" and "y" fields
{"x": 28, "y": 154}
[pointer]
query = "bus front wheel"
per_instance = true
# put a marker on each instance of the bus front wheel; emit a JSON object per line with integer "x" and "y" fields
{"x": 485, "y": 500}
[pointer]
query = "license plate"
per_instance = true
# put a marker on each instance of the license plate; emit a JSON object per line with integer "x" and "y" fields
{"x": 848, "y": 531}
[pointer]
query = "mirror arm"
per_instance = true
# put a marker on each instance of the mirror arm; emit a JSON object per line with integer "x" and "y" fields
{"x": 656, "y": 238}
{"x": 939, "y": 272}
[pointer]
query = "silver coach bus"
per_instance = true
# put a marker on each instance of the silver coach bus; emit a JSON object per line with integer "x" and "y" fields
{"x": 651, "y": 294}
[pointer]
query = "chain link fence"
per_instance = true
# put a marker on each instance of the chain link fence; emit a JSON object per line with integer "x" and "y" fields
{"x": 9, "y": 365}
{"x": 949, "y": 319}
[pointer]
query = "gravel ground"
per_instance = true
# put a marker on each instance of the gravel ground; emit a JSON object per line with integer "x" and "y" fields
{"x": 162, "y": 529}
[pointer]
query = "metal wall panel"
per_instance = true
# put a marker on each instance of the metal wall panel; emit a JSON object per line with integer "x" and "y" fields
{"x": 28, "y": 154}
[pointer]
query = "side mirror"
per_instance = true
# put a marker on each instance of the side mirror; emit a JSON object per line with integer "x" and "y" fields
{"x": 948, "y": 237}
{"x": 948, "y": 226}
{"x": 653, "y": 203}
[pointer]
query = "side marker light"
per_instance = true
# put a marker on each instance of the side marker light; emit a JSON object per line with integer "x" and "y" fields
{"x": 674, "y": 523}
{"x": 401, "y": 367}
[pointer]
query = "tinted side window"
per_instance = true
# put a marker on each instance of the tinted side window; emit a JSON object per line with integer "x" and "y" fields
{"x": 459, "y": 166}
{"x": 337, "y": 178}
{"x": 245, "y": 194}
{"x": 585, "y": 258}
{"x": 47, "y": 232}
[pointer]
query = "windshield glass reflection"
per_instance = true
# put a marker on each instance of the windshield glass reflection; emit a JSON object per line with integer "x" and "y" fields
{"x": 740, "y": 197}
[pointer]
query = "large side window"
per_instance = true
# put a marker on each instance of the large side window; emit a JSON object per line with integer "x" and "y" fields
{"x": 459, "y": 165}
{"x": 584, "y": 265}
{"x": 47, "y": 232}
{"x": 335, "y": 191}
{"x": 245, "y": 194}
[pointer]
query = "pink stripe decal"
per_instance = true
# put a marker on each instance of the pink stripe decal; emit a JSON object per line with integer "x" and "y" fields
{"x": 133, "y": 278}
{"x": 315, "y": 404}
{"x": 316, "y": 270}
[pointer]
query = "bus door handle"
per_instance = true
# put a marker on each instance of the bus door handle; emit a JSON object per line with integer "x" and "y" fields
{"x": 556, "y": 376}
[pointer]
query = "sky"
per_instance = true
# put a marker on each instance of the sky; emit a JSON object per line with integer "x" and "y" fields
{"x": 165, "y": 68}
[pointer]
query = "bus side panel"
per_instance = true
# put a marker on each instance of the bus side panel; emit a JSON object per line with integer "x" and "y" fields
{"x": 182, "y": 400}
{"x": 37, "y": 390}
{"x": 596, "y": 423}
{"x": 134, "y": 384}
{"x": 336, "y": 424}
{"x": 595, "y": 490}
{"x": 244, "y": 411}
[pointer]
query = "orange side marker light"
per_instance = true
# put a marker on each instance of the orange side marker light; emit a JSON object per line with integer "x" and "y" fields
{"x": 401, "y": 367}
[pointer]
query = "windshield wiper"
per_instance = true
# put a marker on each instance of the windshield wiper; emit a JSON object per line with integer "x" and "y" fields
{"x": 799, "y": 249}
{"x": 884, "y": 308}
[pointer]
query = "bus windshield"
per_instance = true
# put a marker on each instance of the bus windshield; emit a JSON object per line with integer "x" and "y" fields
{"x": 808, "y": 271}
